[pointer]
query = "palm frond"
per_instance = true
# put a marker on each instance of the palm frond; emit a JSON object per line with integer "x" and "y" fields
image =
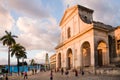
{"x": 5, "y": 42}
{"x": 7, "y": 32}
{"x": 14, "y": 36}
{"x": 18, "y": 50}
{"x": 4, "y": 37}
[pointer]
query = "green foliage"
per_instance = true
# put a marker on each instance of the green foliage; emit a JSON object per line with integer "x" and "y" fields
{"x": 18, "y": 51}
{"x": 8, "y": 39}
{"x": 32, "y": 62}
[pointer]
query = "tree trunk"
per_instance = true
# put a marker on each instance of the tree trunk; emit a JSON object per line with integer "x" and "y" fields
{"x": 23, "y": 64}
{"x": 18, "y": 65}
{"x": 8, "y": 59}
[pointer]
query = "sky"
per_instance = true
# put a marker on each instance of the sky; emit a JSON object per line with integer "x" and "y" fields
{"x": 36, "y": 23}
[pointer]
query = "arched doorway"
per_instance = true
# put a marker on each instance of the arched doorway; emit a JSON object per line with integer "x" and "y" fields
{"x": 59, "y": 60}
{"x": 86, "y": 59}
{"x": 101, "y": 53}
{"x": 69, "y": 58}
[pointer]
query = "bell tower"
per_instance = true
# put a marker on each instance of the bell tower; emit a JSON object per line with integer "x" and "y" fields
{"x": 47, "y": 66}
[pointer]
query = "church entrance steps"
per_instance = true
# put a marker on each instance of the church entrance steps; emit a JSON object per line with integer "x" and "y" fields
{"x": 108, "y": 70}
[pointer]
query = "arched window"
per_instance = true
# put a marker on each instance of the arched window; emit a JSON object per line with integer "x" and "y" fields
{"x": 68, "y": 32}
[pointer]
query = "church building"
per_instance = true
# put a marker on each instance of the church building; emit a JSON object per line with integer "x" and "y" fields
{"x": 85, "y": 43}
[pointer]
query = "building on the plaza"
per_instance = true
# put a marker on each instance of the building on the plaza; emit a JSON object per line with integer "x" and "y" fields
{"x": 117, "y": 43}
{"x": 85, "y": 43}
{"x": 53, "y": 61}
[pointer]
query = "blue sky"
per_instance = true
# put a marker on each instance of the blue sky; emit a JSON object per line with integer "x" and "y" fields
{"x": 36, "y": 22}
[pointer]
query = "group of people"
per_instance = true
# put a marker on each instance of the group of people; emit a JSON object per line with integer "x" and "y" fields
{"x": 66, "y": 72}
{"x": 34, "y": 71}
{"x": 76, "y": 72}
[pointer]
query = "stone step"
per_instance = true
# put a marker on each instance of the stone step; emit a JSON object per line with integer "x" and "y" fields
{"x": 108, "y": 71}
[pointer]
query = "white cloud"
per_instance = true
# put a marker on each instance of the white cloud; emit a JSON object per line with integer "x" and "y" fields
{"x": 3, "y": 61}
{"x": 6, "y": 20}
{"x": 29, "y": 7}
{"x": 40, "y": 57}
{"x": 38, "y": 34}
{"x": 106, "y": 11}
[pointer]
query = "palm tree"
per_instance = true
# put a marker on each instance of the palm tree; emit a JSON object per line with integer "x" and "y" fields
{"x": 8, "y": 40}
{"x": 19, "y": 52}
{"x": 24, "y": 57}
{"x": 32, "y": 62}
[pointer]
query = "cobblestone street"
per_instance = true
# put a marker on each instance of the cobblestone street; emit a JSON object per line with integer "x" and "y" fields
{"x": 71, "y": 76}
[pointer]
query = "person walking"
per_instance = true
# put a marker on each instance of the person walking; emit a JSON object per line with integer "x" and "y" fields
{"x": 67, "y": 74}
{"x": 25, "y": 75}
{"x": 62, "y": 71}
{"x": 76, "y": 73}
{"x": 82, "y": 72}
{"x": 6, "y": 77}
{"x": 51, "y": 75}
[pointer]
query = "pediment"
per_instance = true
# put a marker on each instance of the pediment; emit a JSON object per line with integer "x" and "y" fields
{"x": 67, "y": 13}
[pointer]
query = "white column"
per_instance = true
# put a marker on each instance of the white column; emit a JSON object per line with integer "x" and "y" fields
{"x": 92, "y": 54}
{"x": 80, "y": 54}
{"x": 66, "y": 60}
{"x": 56, "y": 60}
{"x": 81, "y": 63}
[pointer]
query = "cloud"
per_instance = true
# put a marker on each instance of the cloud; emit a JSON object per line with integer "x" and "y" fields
{"x": 38, "y": 34}
{"x": 40, "y": 57}
{"x": 3, "y": 61}
{"x": 6, "y": 20}
{"x": 29, "y": 7}
{"x": 106, "y": 11}
{"x": 3, "y": 48}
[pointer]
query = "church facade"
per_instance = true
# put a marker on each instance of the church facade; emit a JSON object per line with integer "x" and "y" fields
{"x": 85, "y": 43}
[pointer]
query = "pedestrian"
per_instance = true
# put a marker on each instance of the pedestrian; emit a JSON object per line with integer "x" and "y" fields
{"x": 62, "y": 71}
{"x": 51, "y": 75}
{"x": 66, "y": 73}
{"x": 32, "y": 71}
{"x": 55, "y": 70}
{"x": 21, "y": 73}
{"x": 76, "y": 73}
{"x": 35, "y": 71}
{"x": 82, "y": 72}
{"x": 6, "y": 77}
{"x": 25, "y": 75}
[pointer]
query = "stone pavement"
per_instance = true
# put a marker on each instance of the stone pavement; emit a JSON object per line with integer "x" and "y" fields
{"x": 71, "y": 76}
